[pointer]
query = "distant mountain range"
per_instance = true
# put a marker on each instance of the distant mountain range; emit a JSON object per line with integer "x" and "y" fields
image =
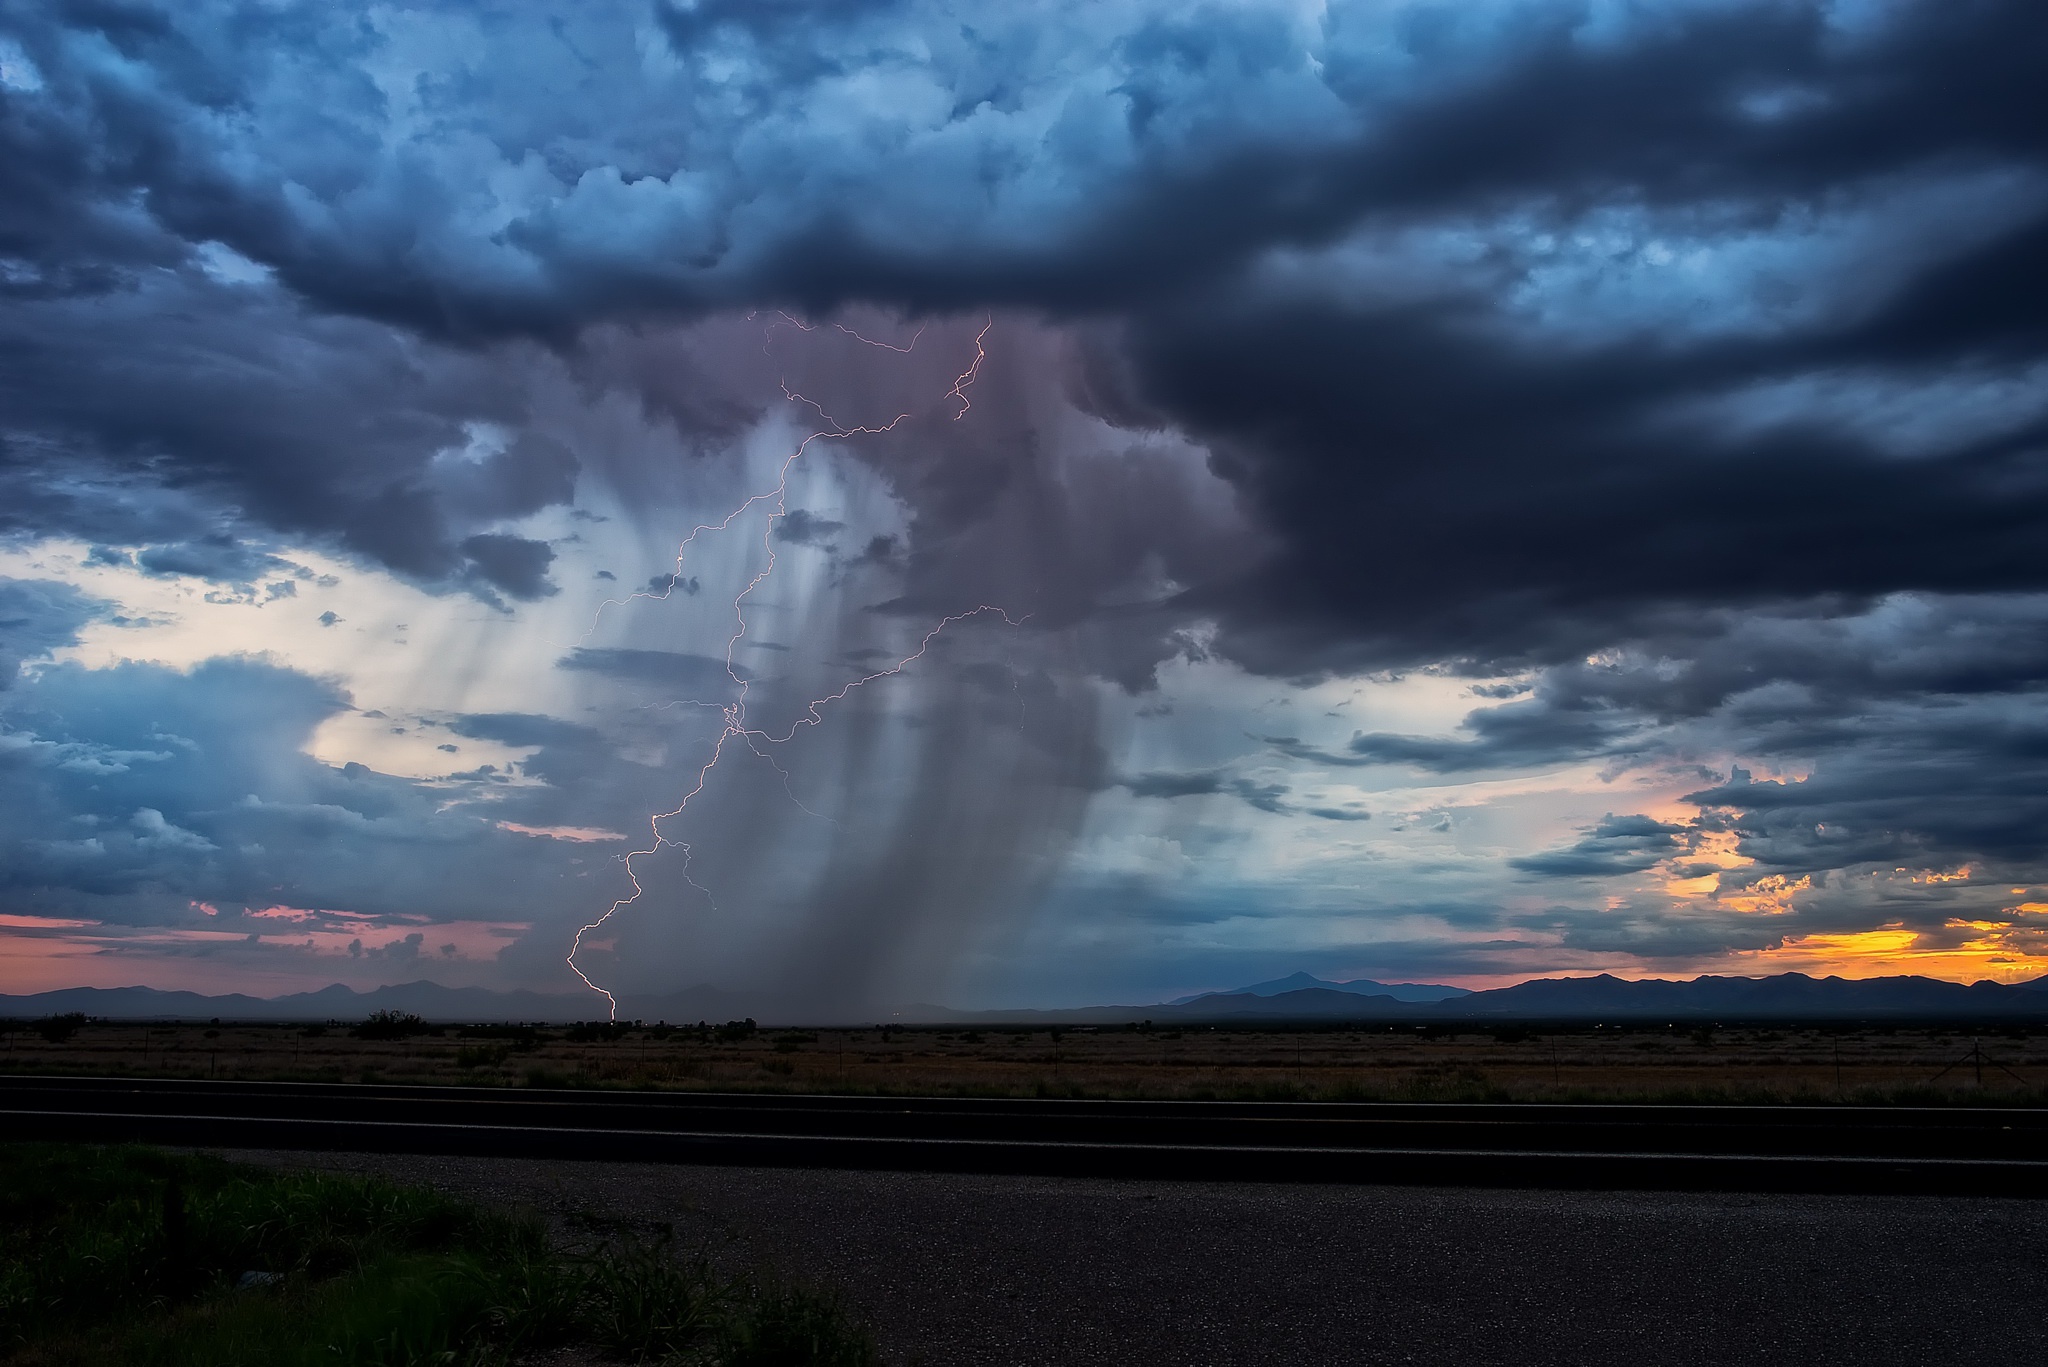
{"x": 1783, "y": 996}
{"x": 1360, "y": 987}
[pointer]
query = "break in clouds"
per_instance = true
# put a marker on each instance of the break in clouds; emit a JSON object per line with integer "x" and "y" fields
{"x": 1481, "y": 490}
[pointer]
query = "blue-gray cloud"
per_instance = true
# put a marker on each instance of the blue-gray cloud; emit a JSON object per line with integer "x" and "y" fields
{"x": 1268, "y": 797}
{"x": 36, "y": 617}
{"x": 687, "y": 675}
{"x": 1616, "y": 844}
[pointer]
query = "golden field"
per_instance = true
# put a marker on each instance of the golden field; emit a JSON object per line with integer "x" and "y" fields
{"x": 1639, "y": 1063}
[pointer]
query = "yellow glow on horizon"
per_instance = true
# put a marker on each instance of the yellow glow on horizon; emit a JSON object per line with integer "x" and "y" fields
{"x": 1998, "y": 950}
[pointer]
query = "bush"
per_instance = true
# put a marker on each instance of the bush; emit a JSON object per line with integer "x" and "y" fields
{"x": 390, "y": 1025}
{"x": 57, "y": 1029}
{"x": 596, "y": 1032}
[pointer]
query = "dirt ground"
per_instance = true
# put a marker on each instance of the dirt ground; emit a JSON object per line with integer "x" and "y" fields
{"x": 1655, "y": 1062}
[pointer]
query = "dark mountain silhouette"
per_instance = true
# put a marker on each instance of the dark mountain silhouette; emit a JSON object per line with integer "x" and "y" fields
{"x": 1362, "y": 987}
{"x": 1307, "y": 1001}
{"x": 1782, "y": 995}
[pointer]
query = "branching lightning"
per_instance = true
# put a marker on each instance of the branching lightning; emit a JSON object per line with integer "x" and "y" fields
{"x": 973, "y": 372}
{"x": 736, "y": 726}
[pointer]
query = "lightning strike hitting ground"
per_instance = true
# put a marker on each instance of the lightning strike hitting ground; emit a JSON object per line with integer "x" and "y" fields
{"x": 736, "y": 726}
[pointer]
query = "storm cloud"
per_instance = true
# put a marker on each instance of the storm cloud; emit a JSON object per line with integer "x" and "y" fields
{"x": 1622, "y": 398}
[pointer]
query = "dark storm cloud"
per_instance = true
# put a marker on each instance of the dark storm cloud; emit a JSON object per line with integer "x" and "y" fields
{"x": 1440, "y": 483}
{"x": 240, "y": 420}
{"x": 1200, "y": 142}
{"x": 699, "y": 676}
{"x": 522, "y": 728}
{"x": 1515, "y": 736}
{"x": 1967, "y": 788}
{"x": 1912, "y": 743}
{"x": 1799, "y": 681}
{"x": 1264, "y": 797}
{"x": 803, "y": 528}
{"x": 213, "y": 557}
{"x": 36, "y": 617}
{"x": 1616, "y": 844}
{"x": 1452, "y": 476}
{"x": 514, "y": 564}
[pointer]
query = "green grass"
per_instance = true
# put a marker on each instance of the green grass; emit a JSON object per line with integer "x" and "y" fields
{"x": 140, "y": 1258}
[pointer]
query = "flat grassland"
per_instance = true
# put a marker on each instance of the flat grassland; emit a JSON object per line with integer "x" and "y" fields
{"x": 1867, "y": 1064}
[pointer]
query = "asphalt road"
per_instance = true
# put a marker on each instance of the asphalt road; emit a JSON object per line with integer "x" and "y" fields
{"x": 991, "y": 1270}
{"x": 1888, "y": 1151}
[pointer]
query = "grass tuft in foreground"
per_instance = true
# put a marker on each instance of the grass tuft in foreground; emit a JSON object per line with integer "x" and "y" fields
{"x": 136, "y": 1257}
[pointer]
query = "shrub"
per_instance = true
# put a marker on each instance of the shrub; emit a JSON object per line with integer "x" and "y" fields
{"x": 595, "y": 1032}
{"x": 57, "y": 1029}
{"x": 390, "y": 1025}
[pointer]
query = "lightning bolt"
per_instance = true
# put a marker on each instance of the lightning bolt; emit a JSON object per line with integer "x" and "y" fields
{"x": 801, "y": 326}
{"x": 973, "y": 372}
{"x": 735, "y": 725}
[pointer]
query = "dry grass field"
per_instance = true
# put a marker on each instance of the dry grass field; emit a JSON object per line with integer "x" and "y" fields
{"x": 1902, "y": 1064}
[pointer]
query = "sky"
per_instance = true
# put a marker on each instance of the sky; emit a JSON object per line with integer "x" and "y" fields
{"x": 1012, "y": 504}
